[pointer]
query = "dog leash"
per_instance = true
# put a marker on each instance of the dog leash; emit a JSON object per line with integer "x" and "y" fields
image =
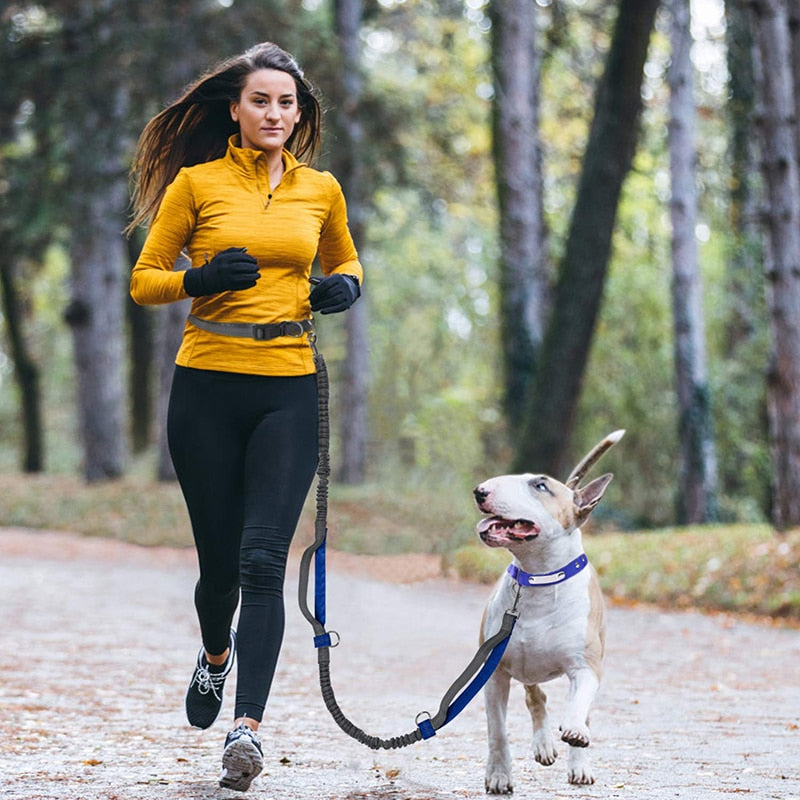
{"x": 463, "y": 689}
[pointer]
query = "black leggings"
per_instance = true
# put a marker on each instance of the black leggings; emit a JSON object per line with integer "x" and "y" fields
{"x": 245, "y": 451}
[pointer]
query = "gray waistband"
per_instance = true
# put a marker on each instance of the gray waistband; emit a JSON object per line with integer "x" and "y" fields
{"x": 261, "y": 332}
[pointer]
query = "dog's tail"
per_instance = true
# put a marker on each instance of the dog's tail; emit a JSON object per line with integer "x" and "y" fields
{"x": 591, "y": 458}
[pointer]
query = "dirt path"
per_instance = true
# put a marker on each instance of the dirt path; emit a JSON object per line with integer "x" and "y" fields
{"x": 97, "y": 642}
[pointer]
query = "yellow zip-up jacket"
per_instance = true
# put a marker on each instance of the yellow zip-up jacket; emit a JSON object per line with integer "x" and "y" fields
{"x": 229, "y": 202}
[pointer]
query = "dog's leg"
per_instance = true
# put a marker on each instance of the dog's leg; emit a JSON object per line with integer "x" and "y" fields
{"x": 579, "y": 770}
{"x": 583, "y": 685}
{"x": 498, "y": 766}
{"x": 544, "y": 742}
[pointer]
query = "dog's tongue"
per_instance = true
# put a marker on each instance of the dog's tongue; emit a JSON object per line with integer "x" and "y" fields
{"x": 486, "y": 523}
{"x": 516, "y": 528}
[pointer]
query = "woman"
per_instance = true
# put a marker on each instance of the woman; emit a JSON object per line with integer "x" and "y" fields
{"x": 219, "y": 176}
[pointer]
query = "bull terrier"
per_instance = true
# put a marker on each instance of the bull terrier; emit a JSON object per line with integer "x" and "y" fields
{"x": 561, "y": 627}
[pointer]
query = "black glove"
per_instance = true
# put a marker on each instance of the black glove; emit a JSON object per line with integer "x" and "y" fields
{"x": 334, "y": 294}
{"x": 228, "y": 271}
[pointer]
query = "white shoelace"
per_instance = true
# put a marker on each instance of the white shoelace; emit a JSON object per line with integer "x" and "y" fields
{"x": 209, "y": 681}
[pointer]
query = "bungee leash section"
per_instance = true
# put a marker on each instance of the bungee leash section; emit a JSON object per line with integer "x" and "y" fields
{"x": 464, "y": 688}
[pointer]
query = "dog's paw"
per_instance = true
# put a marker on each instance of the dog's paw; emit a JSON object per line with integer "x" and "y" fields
{"x": 580, "y": 776}
{"x": 575, "y": 736}
{"x": 499, "y": 782}
{"x": 544, "y": 749}
{"x": 579, "y": 770}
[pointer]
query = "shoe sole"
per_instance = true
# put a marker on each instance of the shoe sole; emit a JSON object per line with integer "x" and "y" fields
{"x": 241, "y": 762}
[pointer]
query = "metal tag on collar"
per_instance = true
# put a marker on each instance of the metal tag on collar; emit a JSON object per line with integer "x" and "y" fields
{"x": 548, "y": 578}
{"x": 544, "y": 580}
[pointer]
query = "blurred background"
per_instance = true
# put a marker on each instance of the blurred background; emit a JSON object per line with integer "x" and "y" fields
{"x": 574, "y": 216}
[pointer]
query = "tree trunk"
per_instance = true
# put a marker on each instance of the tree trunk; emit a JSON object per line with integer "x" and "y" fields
{"x": 609, "y": 152}
{"x": 96, "y": 314}
{"x": 793, "y": 11}
{"x": 25, "y": 371}
{"x": 697, "y": 485}
{"x": 777, "y": 126}
{"x": 516, "y": 67}
{"x": 354, "y": 425}
{"x": 745, "y": 285}
{"x": 95, "y": 152}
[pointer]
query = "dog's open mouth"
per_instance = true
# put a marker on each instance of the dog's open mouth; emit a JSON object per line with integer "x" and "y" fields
{"x": 496, "y": 531}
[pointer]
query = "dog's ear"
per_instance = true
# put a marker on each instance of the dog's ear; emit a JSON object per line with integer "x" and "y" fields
{"x": 587, "y": 497}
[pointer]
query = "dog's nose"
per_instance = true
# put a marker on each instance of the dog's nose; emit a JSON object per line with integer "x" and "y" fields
{"x": 480, "y": 494}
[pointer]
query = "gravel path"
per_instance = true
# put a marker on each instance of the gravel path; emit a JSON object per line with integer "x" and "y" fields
{"x": 98, "y": 640}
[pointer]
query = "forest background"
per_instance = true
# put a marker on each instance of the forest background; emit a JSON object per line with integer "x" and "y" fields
{"x": 427, "y": 384}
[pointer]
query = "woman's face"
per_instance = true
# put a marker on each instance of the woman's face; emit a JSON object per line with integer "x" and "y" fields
{"x": 267, "y": 110}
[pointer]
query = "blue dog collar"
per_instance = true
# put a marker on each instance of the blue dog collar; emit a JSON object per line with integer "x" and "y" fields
{"x": 548, "y": 578}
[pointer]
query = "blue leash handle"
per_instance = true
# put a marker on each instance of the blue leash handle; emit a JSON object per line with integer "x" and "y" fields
{"x": 320, "y": 582}
{"x": 450, "y": 708}
{"x": 450, "y": 712}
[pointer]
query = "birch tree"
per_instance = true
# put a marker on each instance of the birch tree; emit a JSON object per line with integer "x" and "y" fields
{"x": 697, "y": 485}
{"x": 777, "y": 122}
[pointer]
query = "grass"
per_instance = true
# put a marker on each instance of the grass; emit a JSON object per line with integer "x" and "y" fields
{"x": 130, "y": 510}
{"x": 733, "y": 568}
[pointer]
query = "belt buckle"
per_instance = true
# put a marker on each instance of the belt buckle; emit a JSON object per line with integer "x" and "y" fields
{"x": 259, "y": 332}
{"x": 289, "y": 328}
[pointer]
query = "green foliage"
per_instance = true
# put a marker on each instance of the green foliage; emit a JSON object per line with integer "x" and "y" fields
{"x": 46, "y": 287}
{"x": 630, "y": 378}
{"x": 433, "y": 389}
{"x": 431, "y": 247}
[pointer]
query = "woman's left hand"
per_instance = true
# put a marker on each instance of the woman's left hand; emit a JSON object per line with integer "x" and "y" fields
{"x": 334, "y": 294}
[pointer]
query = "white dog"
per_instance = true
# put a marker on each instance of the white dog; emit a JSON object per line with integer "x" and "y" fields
{"x": 561, "y": 628}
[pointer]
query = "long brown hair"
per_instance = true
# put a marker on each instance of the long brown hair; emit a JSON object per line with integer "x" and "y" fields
{"x": 196, "y": 127}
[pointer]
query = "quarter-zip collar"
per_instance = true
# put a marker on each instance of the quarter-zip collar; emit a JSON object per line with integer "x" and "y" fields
{"x": 253, "y": 163}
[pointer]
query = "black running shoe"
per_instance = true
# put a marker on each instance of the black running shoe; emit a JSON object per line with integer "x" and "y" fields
{"x": 242, "y": 759}
{"x": 204, "y": 697}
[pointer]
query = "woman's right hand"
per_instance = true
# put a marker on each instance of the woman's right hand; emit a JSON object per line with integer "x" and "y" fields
{"x": 229, "y": 271}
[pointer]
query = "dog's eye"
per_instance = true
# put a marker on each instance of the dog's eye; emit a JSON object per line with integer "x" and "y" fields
{"x": 540, "y": 485}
